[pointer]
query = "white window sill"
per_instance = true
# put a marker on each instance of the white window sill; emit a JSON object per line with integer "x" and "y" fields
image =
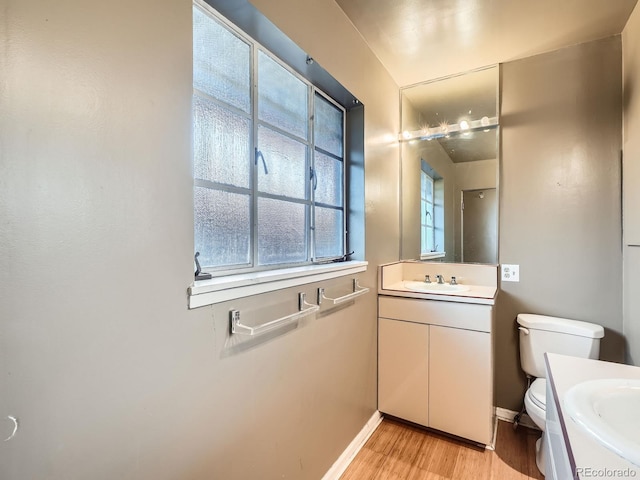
{"x": 432, "y": 255}
{"x": 230, "y": 287}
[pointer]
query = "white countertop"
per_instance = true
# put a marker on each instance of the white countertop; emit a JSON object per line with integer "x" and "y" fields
{"x": 585, "y": 452}
{"x": 477, "y": 294}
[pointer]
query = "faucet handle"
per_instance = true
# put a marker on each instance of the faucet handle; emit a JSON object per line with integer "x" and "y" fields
{"x": 427, "y": 279}
{"x": 453, "y": 281}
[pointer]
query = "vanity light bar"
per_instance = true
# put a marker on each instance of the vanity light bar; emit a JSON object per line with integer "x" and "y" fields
{"x": 465, "y": 126}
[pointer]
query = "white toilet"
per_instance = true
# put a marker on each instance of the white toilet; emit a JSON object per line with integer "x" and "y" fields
{"x": 540, "y": 334}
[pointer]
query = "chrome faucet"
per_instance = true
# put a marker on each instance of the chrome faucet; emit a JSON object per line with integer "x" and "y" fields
{"x": 427, "y": 279}
{"x": 440, "y": 279}
{"x": 453, "y": 281}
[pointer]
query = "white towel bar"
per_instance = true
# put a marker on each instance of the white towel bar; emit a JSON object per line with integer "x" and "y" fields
{"x": 237, "y": 327}
{"x": 357, "y": 291}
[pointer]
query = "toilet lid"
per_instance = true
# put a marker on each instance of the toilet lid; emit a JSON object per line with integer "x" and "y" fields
{"x": 538, "y": 392}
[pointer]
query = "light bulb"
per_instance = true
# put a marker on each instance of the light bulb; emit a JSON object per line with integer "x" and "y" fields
{"x": 464, "y": 125}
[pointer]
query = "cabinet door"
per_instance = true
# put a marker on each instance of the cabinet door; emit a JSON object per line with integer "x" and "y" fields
{"x": 403, "y": 370}
{"x": 631, "y": 303}
{"x": 461, "y": 383}
{"x": 631, "y": 199}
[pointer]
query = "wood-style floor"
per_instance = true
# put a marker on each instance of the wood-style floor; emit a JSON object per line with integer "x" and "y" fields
{"x": 397, "y": 451}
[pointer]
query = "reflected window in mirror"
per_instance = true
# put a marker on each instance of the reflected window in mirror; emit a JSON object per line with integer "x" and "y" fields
{"x": 431, "y": 210}
{"x": 428, "y": 227}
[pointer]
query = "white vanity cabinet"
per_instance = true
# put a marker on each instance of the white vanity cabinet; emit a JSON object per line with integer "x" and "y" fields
{"x": 435, "y": 365}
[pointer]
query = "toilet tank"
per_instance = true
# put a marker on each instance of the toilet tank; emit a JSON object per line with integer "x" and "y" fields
{"x": 540, "y": 334}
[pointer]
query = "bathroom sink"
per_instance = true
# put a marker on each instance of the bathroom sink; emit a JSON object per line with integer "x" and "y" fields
{"x": 423, "y": 287}
{"x": 609, "y": 410}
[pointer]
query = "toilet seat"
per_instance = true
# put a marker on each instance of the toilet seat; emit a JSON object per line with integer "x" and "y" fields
{"x": 538, "y": 392}
{"x": 535, "y": 402}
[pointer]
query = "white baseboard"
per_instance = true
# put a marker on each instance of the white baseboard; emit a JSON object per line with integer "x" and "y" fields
{"x": 508, "y": 415}
{"x": 343, "y": 461}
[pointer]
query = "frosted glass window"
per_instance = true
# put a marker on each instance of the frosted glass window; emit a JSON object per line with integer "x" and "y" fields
{"x": 268, "y": 159}
{"x": 282, "y": 99}
{"x": 221, "y": 149}
{"x": 282, "y": 231}
{"x": 328, "y": 187}
{"x": 328, "y": 126}
{"x": 222, "y": 227}
{"x": 282, "y": 168}
{"x": 328, "y": 232}
{"x": 221, "y": 62}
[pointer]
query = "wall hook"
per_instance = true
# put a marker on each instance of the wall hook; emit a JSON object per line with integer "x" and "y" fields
{"x": 15, "y": 427}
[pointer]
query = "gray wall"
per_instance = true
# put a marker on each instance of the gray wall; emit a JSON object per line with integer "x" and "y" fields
{"x": 631, "y": 166}
{"x": 474, "y": 176}
{"x": 560, "y": 217}
{"x": 108, "y": 373}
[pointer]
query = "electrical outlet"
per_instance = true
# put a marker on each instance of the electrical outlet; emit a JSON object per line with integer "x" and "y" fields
{"x": 510, "y": 273}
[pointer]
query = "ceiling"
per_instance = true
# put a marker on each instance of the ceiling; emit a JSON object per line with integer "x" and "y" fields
{"x": 418, "y": 40}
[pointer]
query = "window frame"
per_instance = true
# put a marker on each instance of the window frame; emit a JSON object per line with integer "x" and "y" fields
{"x": 310, "y": 161}
{"x": 424, "y": 239}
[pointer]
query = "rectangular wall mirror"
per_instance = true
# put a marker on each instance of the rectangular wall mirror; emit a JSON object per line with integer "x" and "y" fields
{"x": 449, "y": 168}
